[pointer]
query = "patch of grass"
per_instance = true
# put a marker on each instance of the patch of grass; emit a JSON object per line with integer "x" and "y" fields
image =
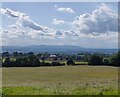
{"x": 64, "y": 62}
{"x": 81, "y": 63}
{"x": 60, "y": 80}
{"x": 47, "y": 61}
{"x": 24, "y": 90}
{"x": 30, "y": 90}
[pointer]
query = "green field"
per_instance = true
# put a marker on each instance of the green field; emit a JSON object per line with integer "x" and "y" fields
{"x": 65, "y": 62}
{"x": 61, "y": 80}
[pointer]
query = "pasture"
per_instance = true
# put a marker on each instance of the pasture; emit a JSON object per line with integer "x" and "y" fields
{"x": 60, "y": 80}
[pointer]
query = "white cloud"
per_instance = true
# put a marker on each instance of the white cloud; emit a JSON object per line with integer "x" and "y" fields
{"x": 11, "y": 13}
{"x": 62, "y": 9}
{"x": 57, "y": 22}
{"x": 98, "y": 27}
{"x": 23, "y": 19}
{"x": 100, "y": 21}
{"x": 70, "y": 33}
{"x": 27, "y": 22}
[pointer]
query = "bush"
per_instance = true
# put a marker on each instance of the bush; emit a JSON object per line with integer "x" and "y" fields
{"x": 95, "y": 60}
{"x": 115, "y": 60}
{"x": 70, "y": 62}
{"x": 30, "y": 61}
{"x": 45, "y": 64}
{"x": 106, "y": 61}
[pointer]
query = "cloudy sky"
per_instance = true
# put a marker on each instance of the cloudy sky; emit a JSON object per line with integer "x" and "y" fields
{"x": 90, "y": 25}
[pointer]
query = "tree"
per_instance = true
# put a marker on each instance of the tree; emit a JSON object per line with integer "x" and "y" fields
{"x": 46, "y": 54}
{"x": 33, "y": 61}
{"x": 21, "y": 54}
{"x": 15, "y": 54}
{"x": 39, "y": 55}
{"x": 30, "y": 53}
{"x": 70, "y": 62}
{"x": 7, "y": 62}
{"x": 19, "y": 62}
{"x": 118, "y": 58}
{"x": 55, "y": 63}
{"x": 106, "y": 61}
{"x": 115, "y": 60}
{"x": 95, "y": 60}
{"x": 5, "y": 54}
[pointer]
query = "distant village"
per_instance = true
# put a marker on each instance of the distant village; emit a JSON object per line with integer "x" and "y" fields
{"x": 29, "y": 59}
{"x": 49, "y": 57}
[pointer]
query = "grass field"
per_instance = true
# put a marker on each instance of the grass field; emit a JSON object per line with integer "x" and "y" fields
{"x": 65, "y": 62}
{"x": 61, "y": 80}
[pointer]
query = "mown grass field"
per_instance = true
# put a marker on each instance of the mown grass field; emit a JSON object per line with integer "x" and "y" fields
{"x": 60, "y": 80}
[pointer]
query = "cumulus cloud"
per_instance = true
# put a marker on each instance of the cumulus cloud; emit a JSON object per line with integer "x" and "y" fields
{"x": 70, "y": 33}
{"x": 57, "y": 22}
{"x": 10, "y": 12}
{"x": 23, "y": 19}
{"x": 100, "y": 21}
{"x": 89, "y": 26}
{"x": 62, "y": 9}
{"x": 41, "y": 34}
{"x": 27, "y": 22}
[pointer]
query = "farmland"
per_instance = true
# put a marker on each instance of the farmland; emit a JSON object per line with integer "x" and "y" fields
{"x": 60, "y": 80}
{"x": 59, "y": 48}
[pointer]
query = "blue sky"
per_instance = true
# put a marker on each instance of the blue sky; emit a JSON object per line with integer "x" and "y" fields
{"x": 64, "y": 22}
{"x": 33, "y": 9}
{"x": 47, "y": 10}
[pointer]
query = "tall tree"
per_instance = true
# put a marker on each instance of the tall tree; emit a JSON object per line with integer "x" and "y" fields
{"x": 96, "y": 60}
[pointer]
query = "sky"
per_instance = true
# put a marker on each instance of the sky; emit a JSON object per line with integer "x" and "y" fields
{"x": 85, "y": 24}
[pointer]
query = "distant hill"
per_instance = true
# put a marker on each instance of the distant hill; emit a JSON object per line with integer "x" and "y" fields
{"x": 68, "y": 49}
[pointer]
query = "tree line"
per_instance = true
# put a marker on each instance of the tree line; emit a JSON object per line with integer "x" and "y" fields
{"x": 32, "y": 60}
{"x": 113, "y": 60}
{"x": 27, "y": 61}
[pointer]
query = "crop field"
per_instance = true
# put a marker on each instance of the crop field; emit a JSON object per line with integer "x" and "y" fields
{"x": 60, "y": 80}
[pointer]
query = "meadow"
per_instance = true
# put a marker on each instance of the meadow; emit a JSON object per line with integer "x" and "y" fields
{"x": 60, "y": 80}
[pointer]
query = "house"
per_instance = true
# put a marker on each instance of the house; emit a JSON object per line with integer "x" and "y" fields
{"x": 80, "y": 57}
{"x": 53, "y": 56}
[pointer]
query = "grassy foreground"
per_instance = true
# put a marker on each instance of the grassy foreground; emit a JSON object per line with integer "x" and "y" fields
{"x": 64, "y": 80}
